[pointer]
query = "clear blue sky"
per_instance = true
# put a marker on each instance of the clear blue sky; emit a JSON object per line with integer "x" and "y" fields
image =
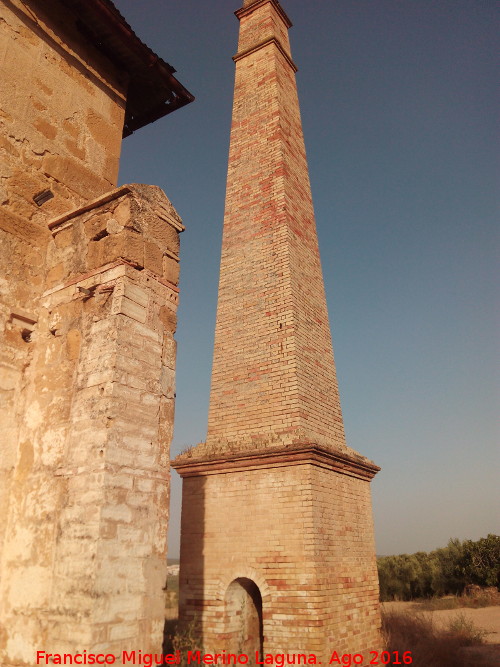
{"x": 398, "y": 107}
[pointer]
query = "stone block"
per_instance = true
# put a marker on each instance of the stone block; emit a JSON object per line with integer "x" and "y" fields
{"x": 168, "y": 318}
{"x": 75, "y": 175}
{"x": 171, "y": 269}
{"x": 153, "y": 258}
{"x": 124, "y": 306}
{"x": 122, "y": 212}
{"x": 137, "y": 294}
{"x": 23, "y": 228}
{"x": 128, "y": 245}
{"x": 167, "y": 382}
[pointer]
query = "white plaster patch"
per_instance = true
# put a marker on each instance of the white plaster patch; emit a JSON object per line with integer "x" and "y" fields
{"x": 34, "y": 415}
{"x": 19, "y": 548}
{"x": 31, "y": 585}
{"x": 19, "y": 648}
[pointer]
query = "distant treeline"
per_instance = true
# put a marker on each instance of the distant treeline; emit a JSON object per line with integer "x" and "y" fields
{"x": 445, "y": 571}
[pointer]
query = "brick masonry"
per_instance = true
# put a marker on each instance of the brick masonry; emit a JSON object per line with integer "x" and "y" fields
{"x": 301, "y": 529}
{"x": 284, "y": 388}
{"x": 275, "y": 496}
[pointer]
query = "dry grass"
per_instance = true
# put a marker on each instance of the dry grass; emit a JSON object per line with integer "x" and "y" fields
{"x": 468, "y": 634}
{"x": 485, "y": 597}
{"x": 430, "y": 646}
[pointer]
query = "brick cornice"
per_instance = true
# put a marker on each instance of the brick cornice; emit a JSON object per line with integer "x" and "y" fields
{"x": 212, "y": 464}
{"x": 248, "y": 9}
{"x": 261, "y": 45}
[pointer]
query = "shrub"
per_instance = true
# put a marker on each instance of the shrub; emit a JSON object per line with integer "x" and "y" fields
{"x": 429, "y": 646}
{"x": 182, "y": 638}
{"x": 465, "y": 632}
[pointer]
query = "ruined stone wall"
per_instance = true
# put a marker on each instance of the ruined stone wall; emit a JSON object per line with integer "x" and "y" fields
{"x": 61, "y": 119}
{"x": 84, "y": 558}
{"x": 302, "y": 532}
{"x": 88, "y": 299}
{"x": 61, "y": 112}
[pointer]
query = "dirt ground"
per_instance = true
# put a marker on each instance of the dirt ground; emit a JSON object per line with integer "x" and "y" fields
{"x": 486, "y": 618}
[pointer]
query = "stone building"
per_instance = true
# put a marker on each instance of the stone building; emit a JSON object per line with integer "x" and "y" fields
{"x": 88, "y": 299}
{"x": 277, "y": 545}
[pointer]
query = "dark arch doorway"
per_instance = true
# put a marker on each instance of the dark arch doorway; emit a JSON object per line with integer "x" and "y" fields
{"x": 243, "y": 618}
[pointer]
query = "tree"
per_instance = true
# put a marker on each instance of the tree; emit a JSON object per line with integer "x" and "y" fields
{"x": 441, "y": 572}
{"x": 480, "y": 563}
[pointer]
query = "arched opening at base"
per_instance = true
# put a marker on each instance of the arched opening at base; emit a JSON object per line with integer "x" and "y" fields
{"x": 243, "y": 618}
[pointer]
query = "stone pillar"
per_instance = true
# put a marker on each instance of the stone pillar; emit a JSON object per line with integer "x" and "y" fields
{"x": 84, "y": 560}
{"x": 274, "y": 501}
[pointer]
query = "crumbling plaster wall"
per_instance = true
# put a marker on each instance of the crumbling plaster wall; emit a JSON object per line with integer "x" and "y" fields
{"x": 84, "y": 558}
{"x": 61, "y": 119}
{"x": 88, "y": 299}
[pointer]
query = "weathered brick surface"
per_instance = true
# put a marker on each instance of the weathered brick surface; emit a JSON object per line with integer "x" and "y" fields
{"x": 271, "y": 304}
{"x": 303, "y": 533}
{"x": 275, "y": 496}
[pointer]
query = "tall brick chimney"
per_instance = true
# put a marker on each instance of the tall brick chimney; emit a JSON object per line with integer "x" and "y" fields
{"x": 277, "y": 549}
{"x": 273, "y": 378}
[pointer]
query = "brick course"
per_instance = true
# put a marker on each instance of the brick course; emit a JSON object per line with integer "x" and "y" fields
{"x": 303, "y": 533}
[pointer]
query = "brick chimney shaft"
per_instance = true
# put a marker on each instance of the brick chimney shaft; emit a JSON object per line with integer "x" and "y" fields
{"x": 273, "y": 377}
